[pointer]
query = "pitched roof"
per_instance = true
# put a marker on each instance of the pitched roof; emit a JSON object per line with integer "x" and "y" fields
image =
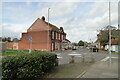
{"x": 40, "y": 25}
{"x": 54, "y": 28}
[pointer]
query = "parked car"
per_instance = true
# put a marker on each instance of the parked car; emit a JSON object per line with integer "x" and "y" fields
{"x": 74, "y": 48}
{"x": 65, "y": 48}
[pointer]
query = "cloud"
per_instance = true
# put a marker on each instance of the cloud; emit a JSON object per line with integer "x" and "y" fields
{"x": 57, "y": 9}
{"x": 78, "y": 27}
{"x": 98, "y": 8}
{"x": 13, "y": 30}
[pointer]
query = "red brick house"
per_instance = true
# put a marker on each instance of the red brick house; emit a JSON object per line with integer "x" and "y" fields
{"x": 44, "y": 37}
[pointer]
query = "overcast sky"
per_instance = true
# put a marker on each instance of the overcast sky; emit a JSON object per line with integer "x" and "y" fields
{"x": 80, "y": 19}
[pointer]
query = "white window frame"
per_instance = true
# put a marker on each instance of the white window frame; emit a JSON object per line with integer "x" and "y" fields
{"x": 62, "y": 37}
{"x": 56, "y": 35}
{"x": 59, "y": 36}
{"x": 52, "y": 35}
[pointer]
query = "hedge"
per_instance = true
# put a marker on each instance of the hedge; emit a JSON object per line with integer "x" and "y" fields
{"x": 28, "y": 65}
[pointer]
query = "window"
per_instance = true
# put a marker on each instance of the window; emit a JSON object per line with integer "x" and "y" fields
{"x": 62, "y": 37}
{"x": 59, "y": 36}
{"x": 52, "y": 35}
{"x": 56, "y": 35}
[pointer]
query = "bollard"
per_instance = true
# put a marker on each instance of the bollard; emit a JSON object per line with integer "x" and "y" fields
{"x": 83, "y": 59}
{"x": 72, "y": 59}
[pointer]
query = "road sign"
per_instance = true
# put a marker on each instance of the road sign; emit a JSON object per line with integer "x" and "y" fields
{"x": 30, "y": 38}
{"x": 30, "y": 44}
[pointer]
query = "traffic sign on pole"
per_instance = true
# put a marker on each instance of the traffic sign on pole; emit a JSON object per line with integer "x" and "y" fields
{"x": 30, "y": 39}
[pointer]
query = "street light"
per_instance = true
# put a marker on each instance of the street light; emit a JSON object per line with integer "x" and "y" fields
{"x": 109, "y": 34}
{"x": 48, "y": 30}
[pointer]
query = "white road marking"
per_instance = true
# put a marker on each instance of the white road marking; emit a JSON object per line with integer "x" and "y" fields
{"x": 59, "y": 57}
{"x": 74, "y": 54}
{"x": 58, "y": 53}
{"x": 82, "y": 74}
{"x": 114, "y": 57}
{"x": 105, "y": 59}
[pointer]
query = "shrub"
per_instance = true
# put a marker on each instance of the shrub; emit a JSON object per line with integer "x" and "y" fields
{"x": 28, "y": 65}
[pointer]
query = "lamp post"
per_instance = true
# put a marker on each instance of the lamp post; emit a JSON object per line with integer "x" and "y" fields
{"x": 109, "y": 34}
{"x": 48, "y": 30}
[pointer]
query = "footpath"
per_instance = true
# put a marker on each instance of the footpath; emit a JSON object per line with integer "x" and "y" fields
{"x": 100, "y": 69}
{"x": 103, "y": 69}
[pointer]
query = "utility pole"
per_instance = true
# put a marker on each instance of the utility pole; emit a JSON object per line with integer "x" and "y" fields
{"x": 109, "y": 34}
{"x": 48, "y": 31}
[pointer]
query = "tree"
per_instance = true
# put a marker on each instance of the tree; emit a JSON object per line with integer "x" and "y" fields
{"x": 15, "y": 39}
{"x": 0, "y": 38}
{"x": 81, "y": 43}
{"x": 4, "y": 39}
{"x": 75, "y": 44}
{"x": 104, "y": 34}
{"x": 9, "y": 39}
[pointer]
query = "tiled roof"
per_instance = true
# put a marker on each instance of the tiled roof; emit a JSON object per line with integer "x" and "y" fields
{"x": 41, "y": 24}
{"x": 55, "y": 28}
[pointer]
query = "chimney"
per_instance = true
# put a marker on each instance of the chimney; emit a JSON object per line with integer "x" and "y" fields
{"x": 43, "y": 18}
{"x": 61, "y": 28}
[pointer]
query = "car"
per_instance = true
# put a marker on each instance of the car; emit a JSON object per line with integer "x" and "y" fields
{"x": 65, "y": 48}
{"x": 74, "y": 48}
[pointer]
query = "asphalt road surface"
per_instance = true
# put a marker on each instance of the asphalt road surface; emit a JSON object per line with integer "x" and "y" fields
{"x": 81, "y": 54}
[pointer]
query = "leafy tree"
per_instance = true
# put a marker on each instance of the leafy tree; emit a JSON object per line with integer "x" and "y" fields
{"x": 105, "y": 35}
{"x": 4, "y": 39}
{"x": 0, "y": 38}
{"x": 81, "y": 43}
{"x": 9, "y": 39}
{"x": 75, "y": 44}
{"x": 15, "y": 39}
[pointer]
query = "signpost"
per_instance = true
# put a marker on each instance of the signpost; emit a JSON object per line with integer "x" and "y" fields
{"x": 30, "y": 39}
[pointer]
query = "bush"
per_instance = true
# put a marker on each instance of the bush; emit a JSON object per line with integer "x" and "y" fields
{"x": 28, "y": 65}
{"x": 95, "y": 49}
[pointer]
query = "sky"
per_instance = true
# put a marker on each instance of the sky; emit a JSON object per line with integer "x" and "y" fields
{"x": 80, "y": 19}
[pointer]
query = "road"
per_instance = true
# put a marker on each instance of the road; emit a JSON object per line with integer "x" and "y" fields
{"x": 99, "y": 69}
{"x": 64, "y": 56}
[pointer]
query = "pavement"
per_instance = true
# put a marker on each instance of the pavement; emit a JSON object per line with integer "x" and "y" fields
{"x": 103, "y": 69}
